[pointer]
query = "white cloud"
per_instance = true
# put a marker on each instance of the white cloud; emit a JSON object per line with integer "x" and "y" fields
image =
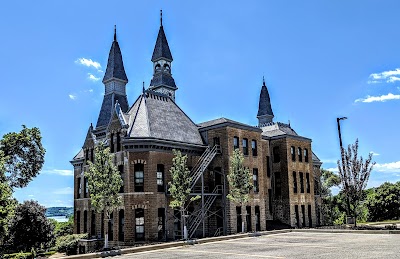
{"x": 390, "y": 76}
{"x": 329, "y": 161}
{"x": 62, "y": 172}
{"x": 31, "y": 195}
{"x": 393, "y": 167}
{"x": 72, "y": 97}
{"x": 333, "y": 169}
{"x": 382, "y": 98}
{"x": 66, "y": 191}
{"x": 89, "y": 63}
{"x": 93, "y": 78}
{"x": 375, "y": 154}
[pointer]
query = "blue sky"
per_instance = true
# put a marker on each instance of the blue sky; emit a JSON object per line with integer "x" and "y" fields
{"x": 320, "y": 59}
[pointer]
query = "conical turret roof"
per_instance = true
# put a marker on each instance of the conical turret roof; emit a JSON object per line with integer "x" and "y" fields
{"x": 115, "y": 65}
{"x": 161, "y": 50}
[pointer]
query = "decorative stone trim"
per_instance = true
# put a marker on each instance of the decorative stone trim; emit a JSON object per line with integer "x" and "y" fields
{"x": 139, "y": 161}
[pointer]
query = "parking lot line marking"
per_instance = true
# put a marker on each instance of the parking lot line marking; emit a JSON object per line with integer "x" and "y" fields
{"x": 292, "y": 244}
{"x": 226, "y": 253}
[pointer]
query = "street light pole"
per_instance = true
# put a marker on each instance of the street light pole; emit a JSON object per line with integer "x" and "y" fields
{"x": 340, "y": 135}
{"x": 343, "y": 165}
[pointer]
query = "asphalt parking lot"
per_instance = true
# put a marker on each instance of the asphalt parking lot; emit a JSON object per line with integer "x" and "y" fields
{"x": 288, "y": 245}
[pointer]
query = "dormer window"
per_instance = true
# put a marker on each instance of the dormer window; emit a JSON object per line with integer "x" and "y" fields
{"x": 166, "y": 67}
{"x": 158, "y": 66}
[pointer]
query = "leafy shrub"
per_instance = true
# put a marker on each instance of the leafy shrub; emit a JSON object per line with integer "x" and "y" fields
{"x": 340, "y": 220}
{"x": 69, "y": 244}
{"x": 19, "y": 255}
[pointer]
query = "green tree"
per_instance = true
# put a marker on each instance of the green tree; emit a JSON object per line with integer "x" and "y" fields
{"x": 240, "y": 180}
{"x": 104, "y": 182}
{"x": 179, "y": 187}
{"x": 29, "y": 228}
{"x": 23, "y": 156}
{"x": 63, "y": 228}
{"x": 354, "y": 173}
{"x": 329, "y": 211}
{"x": 21, "y": 159}
{"x": 384, "y": 202}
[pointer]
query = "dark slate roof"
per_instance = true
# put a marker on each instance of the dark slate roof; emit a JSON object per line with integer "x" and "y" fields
{"x": 115, "y": 65}
{"x": 155, "y": 115}
{"x": 107, "y": 108}
{"x": 161, "y": 50}
{"x": 80, "y": 155}
{"x": 274, "y": 129}
{"x": 223, "y": 122}
{"x": 163, "y": 79}
{"x": 315, "y": 159}
{"x": 264, "y": 106}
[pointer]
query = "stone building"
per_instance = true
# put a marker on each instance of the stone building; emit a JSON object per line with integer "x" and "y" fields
{"x": 142, "y": 136}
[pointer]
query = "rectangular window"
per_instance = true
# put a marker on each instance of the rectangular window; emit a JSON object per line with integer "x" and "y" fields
{"x": 293, "y": 153}
{"x": 238, "y": 219}
{"x": 258, "y": 218}
{"x": 118, "y": 142}
{"x": 235, "y": 142}
{"x": 139, "y": 224}
{"x": 308, "y": 182}
{"x": 278, "y": 187}
{"x": 160, "y": 178}
{"x": 93, "y": 224}
{"x": 139, "y": 177}
{"x": 300, "y": 155}
{"x": 268, "y": 168}
{"x": 254, "y": 147}
{"x": 294, "y": 182}
{"x": 111, "y": 227}
{"x": 121, "y": 225}
{"x": 248, "y": 218}
{"x": 303, "y": 214}
{"x": 296, "y": 210}
{"x": 270, "y": 200}
{"x": 121, "y": 172}
{"x": 255, "y": 180}
{"x": 245, "y": 143}
{"x": 309, "y": 216}
{"x": 216, "y": 141}
{"x": 112, "y": 143}
{"x": 78, "y": 222}
{"x": 79, "y": 188}
{"x": 301, "y": 182}
{"x": 306, "y": 155}
{"x": 86, "y": 193}
{"x": 276, "y": 152}
{"x": 161, "y": 224}
{"x": 87, "y": 154}
{"x": 85, "y": 222}
{"x": 92, "y": 155}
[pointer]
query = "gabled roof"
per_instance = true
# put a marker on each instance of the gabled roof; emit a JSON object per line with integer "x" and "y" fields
{"x": 155, "y": 115}
{"x": 161, "y": 50}
{"x": 115, "y": 65}
{"x": 107, "y": 107}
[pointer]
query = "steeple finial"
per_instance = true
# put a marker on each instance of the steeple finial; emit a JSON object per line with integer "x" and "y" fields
{"x": 263, "y": 81}
{"x": 143, "y": 86}
{"x": 161, "y": 17}
{"x": 115, "y": 32}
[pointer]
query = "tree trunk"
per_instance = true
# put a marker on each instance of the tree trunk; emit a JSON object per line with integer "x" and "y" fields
{"x": 242, "y": 226}
{"x": 106, "y": 233}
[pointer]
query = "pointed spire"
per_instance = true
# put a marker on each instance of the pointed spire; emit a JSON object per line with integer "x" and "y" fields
{"x": 265, "y": 113}
{"x": 143, "y": 86}
{"x": 161, "y": 50}
{"x": 115, "y": 65}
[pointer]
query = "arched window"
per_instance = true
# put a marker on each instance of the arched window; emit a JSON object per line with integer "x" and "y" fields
{"x": 276, "y": 152}
{"x": 299, "y": 154}
{"x": 306, "y": 155}
{"x": 121, "y": 225}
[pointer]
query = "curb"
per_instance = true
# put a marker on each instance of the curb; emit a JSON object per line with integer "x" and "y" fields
{"x": 347, "y": 231}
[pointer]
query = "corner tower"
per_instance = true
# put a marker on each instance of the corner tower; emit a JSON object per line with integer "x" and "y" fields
{"x": 265, "y": 114}
{"x": 115, "y": 81}
{"x": 162, "y": 80}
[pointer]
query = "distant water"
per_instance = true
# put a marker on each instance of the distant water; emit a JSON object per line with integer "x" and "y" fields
{"x": 59, "y": 218}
